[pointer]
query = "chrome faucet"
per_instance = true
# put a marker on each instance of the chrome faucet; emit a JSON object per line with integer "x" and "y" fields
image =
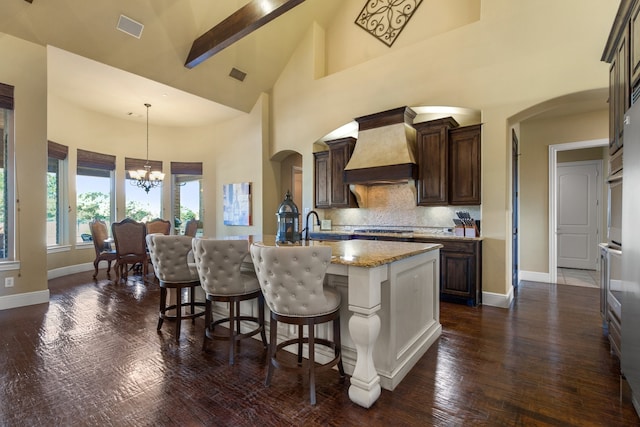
{"x": 306, "y": 223}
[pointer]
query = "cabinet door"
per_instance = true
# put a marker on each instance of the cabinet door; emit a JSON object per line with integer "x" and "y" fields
{"x": 622, "y": 87}
{"x": 464, "y": 166}
{"x": 613, "y": 107}
{"x": 339, "y": 154}
{"x": 323, "y": 179}
{"x": 432, "y": 138}
{"x": 457, "y": 278}
{"x": 634, "y": 45}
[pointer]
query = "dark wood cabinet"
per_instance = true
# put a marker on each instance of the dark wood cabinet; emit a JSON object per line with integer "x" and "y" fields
{"x": 432, "y": 139}
{"x": 464, "y": 165}
{"x": 618, "y": 94}
{"x": 623, "y": 54}
{"x": 460, "y": 278}
{"x": 331, "y": 191}
{"x": 322, "y": 180}
{"x": 460, "y": 270}
{"x": 448, "y": 163}
{"x": 634, "y": 46}
{"x": 340, "y": 151}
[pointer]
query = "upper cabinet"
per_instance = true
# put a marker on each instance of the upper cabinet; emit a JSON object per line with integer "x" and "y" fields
{"x": 331, "y": 191}
{"x": 322, "y": 179}
{"x": 448, "y": 163}
{"x": 464, "y": 165}
{"x": 432, "y": 140}
{"x": 622, "y": 51}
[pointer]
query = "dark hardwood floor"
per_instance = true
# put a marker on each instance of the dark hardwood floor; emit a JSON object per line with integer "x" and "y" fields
{"x": 92, "y": 357}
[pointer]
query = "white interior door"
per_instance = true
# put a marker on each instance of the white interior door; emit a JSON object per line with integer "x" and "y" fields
{"x": 577, "y": 223}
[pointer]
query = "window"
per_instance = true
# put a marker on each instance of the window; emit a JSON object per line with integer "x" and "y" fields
{"x": 94, "y": 189}
{"x": 7, "y": 208}
{"x": 140, "y": 205}
{"x": 187, "y": 192}
{"x": 56, "y": 194}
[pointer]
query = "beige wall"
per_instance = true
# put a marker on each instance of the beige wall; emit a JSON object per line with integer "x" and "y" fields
{"x": 222, "y": 148}
{"x": 516, "y": 56}
{"x": 536, "y": 135}
{"x": 24, "y": 66}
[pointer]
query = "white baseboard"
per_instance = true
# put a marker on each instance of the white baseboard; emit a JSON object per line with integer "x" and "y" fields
{"x": 534, "y": 276}
{"x": 21, "y": 300}
{"x": 70, "y": 269}
{"x": 497, "y": 300}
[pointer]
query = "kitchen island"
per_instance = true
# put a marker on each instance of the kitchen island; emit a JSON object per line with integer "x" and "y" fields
{"x": 392, "y": 311}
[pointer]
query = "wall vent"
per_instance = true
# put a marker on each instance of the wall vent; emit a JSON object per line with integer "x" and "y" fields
{"x": 237, "y": 74}
{"x": 129, "y": 26}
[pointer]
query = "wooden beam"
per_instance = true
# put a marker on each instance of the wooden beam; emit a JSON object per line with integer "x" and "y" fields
{"x": 242, "y": 22}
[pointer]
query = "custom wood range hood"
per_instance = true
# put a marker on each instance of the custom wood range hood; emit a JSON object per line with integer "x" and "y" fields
{"x": 385, "y": 150}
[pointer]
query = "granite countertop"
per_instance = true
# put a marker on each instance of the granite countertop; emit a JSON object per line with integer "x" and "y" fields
{"x": 346, "y": 235}
{"x": 360, "y": 253}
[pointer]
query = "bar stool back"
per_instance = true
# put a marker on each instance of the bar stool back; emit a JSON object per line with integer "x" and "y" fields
{"x": 219, "y": 264}
{"x": 169, "y": 256}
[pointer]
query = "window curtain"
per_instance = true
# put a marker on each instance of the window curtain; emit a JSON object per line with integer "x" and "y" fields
{"x": 57, "y": 151}
{"x": 6, "y": 96}
{"x": 186, "y": 168}
{"x": 136, "y": 164}
{"x": 95, "y": 164}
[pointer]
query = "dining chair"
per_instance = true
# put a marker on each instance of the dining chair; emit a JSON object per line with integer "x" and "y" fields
{"x": 104, "y": 252}
{"x": 292, "y": 282}
{"x": 129, "y": 237}
{"x": 219, "y": 265}
{"x": 170, "y": 259}
{"x": 191, "y": 227}
{"x": 159, "y": 225}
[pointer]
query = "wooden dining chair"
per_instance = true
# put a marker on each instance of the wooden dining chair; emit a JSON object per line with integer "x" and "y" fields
{"x": 159, "y": 225}
{"x": 191, "y": 227}
{"x": 99, "y": 234}
{"x": 131, "y": 249}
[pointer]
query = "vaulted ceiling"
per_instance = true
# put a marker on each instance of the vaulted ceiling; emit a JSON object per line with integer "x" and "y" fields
{"x": 93, "y": 64}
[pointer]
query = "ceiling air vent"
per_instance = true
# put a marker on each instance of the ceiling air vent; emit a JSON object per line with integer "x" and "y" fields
{"x": 129, "y": 26}
{"x": 237, "y": 74}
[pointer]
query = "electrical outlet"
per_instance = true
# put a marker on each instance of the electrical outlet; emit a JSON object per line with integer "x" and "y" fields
{"x": 8, "y": 282}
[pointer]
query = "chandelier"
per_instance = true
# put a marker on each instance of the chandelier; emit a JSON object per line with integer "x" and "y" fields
{"x": 146, "y": 178}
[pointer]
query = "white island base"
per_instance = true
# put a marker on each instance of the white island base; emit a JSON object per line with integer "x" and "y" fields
{"x": 390, "y": 312}
{"x": 391, "y": 319}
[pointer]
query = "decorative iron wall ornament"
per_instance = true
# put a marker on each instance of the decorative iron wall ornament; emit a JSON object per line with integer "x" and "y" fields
{"x": 385, "y": 19}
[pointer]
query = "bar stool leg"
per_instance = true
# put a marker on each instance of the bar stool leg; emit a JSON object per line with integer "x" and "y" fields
{"x": 312, "y": 363}
{"x": 232, "y": 319}
{"x": 163, "y": 305}
{"x": 178, "y": 312}
{"x": 273, "y": 344}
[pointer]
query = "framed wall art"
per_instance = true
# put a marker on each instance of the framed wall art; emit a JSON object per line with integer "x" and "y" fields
{"x": 237, "y": 204}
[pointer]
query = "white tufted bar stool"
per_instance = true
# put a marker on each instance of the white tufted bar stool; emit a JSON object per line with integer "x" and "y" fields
{"x": 292, "y": 281}
{"x": 219, "y": 264}
{"x": 169, "y": 256}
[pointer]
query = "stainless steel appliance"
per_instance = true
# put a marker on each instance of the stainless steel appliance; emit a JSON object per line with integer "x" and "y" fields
{"x": 630, "y": 361}
{"x": 611, "y": 294}
{"x": 614, "y": 201}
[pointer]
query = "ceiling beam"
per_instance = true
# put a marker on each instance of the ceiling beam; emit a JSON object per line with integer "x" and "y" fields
{"x": 245, "y": 20}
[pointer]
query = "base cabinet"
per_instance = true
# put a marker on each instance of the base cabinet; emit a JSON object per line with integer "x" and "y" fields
{"x": 460, "y": 270}
{"x": 460, "y": 265}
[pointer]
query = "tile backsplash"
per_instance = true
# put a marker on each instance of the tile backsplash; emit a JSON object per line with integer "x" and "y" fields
{"x": 395, "y": 206}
